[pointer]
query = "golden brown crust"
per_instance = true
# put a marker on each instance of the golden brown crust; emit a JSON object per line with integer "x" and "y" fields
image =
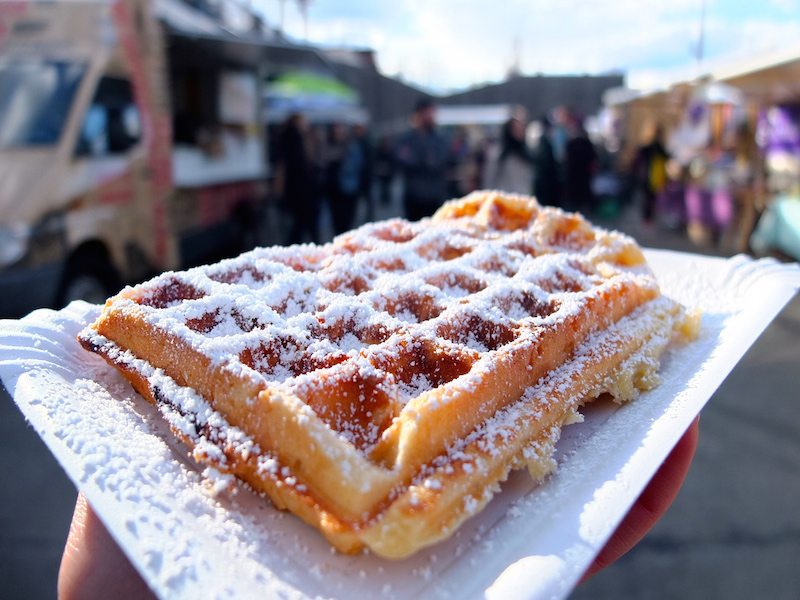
{"x": 353, "y": 454}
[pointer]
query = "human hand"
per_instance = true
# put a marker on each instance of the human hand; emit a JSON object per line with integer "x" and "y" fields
{"x": 651, "y": 504}
{"x": 93, "y": 566}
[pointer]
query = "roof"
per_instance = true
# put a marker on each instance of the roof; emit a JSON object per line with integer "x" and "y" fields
{"x": 474, "y": 114}
{"x": 541, "y": 93}
{"x": 770, "y": 78}
{"x": 251, "y": 47}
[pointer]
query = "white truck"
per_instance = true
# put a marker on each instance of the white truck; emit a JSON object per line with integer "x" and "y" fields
{"x": 127, "y": 146}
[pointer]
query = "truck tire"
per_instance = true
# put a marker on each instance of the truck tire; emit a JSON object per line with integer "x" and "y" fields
{"x": 89, "y": 279}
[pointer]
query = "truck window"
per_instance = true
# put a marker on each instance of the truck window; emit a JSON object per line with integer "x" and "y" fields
{"x": 112, "y": 122}
{"x": 35, "y": 100}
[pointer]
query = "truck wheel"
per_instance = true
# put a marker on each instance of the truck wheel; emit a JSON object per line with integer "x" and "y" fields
{"x": 90, "y": 280}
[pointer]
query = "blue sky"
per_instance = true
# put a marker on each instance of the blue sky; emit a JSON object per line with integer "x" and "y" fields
{"x": 446, "y": 44}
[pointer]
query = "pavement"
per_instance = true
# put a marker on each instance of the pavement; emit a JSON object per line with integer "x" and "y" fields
{"x": 733, "y": 532}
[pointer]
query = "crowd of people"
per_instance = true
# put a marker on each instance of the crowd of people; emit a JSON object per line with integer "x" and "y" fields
{"x": 713, "y": 190}
{"x": 343, "y": 167}
{"x": 710, "y": 190}
{"x": 337, "y": 169}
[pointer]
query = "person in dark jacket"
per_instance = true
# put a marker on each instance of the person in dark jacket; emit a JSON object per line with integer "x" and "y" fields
{"x": 580, "y": 164}
{"x": 296, "y": 176}
{"x": 384, "y": 169}
{"x": 423, "y": 155}
{"x": 546, "y": 171}
{"x": 344, "y": 167}
{"x": 361, "y": 138}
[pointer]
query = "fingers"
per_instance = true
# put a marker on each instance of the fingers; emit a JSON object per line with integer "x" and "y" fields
{"x": 93, "y": 566}
{"x": 652, "y": 503}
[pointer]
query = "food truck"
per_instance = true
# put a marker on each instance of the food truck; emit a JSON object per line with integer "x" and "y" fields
{"x": 131, "y": 142}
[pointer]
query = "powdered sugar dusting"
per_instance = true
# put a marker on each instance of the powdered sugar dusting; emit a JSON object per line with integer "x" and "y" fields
{"x": 295, "y": 317}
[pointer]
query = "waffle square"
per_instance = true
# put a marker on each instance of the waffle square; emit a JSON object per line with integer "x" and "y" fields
{"x": 381, "y": 386}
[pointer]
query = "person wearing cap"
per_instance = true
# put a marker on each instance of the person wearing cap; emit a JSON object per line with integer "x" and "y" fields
{"x": 423, "y": 155}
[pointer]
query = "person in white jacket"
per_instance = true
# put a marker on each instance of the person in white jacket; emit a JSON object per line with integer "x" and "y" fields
{"x": 510, "y": 166}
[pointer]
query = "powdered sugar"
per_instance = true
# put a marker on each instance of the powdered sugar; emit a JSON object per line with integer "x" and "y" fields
{"x": 294, "y": 317}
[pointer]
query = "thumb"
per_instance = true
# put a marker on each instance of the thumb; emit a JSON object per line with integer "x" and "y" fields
{"x": 93, "y": 566}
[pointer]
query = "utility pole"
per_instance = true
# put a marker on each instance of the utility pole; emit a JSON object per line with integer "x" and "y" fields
{"x": 516, "y": 58}
{"x": 701, "y": 42}
{"x": 303, "y": 6}
{"x": 282, "y": 13}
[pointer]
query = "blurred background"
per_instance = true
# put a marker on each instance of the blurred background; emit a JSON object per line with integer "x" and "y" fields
{"x": 144, "y": 135}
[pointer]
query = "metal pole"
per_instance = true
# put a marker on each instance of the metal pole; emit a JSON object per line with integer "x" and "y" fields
{"x": 701, "y": 42}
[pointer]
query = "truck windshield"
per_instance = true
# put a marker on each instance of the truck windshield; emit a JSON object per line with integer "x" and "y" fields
{"x": 35, "y": 99}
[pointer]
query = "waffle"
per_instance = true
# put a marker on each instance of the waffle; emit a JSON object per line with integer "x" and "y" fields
{"x": 382, "y": 386}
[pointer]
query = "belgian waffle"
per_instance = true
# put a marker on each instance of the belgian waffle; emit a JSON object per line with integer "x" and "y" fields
{"x": 383, "y": 385}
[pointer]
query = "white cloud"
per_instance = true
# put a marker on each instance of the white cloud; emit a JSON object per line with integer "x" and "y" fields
{"x": 786, "y": 5}
{"x": 448, "y": 43}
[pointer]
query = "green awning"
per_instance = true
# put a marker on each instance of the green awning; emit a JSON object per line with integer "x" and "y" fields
{"x": 297, "y": 84}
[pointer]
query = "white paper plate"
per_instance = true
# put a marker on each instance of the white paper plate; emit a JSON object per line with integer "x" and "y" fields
{"x": 530, "y": 542}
